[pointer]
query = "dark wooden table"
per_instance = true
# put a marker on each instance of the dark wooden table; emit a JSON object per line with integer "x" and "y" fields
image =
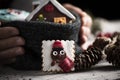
{"x": 101, "y": 71}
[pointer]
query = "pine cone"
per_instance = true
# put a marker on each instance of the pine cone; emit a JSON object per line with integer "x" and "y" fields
{"x": 87, "y": 58}
{"x": 101, "y": 42}
{"x": 113, "y": 55}
{"x": 113, "y": 51}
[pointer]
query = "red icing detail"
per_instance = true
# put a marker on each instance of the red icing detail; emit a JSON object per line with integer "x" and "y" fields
{"x": 57, "y": 44}
{"x": 66, "y": 65}
{"x": 107, "y": 34}
{"x": 49, "y": 8}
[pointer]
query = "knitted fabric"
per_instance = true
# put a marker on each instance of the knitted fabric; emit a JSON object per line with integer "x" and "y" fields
{"x": 34, "y": 32}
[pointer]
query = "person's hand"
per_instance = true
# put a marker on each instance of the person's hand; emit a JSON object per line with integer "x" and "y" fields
{"x": 10, "y": 45}
{"x": 86, "y": 22}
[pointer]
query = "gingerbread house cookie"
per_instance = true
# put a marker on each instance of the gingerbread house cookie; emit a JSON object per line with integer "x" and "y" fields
{"x": 52, "y": 11}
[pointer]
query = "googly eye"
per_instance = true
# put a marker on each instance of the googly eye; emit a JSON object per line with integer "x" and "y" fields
{"x": 55, "y": 53}
{"x": 62, "y": 52}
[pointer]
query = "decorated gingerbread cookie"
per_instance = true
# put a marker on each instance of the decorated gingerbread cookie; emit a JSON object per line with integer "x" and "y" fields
{"x": 58, "y": 55}
{"x": 51, "y": 11}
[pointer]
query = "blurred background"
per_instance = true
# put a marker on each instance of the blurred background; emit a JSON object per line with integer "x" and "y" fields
{"x": 96, "y": 8}
{"x": 99, "y": 8}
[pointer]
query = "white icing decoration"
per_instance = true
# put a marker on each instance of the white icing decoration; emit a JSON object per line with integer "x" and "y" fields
{"x": 56, "y": 4}
{"x": 46, "y": 51}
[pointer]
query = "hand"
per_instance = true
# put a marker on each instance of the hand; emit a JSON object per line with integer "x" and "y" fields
{"x": 86, "y": 22}
{"x": 10, "y": 45}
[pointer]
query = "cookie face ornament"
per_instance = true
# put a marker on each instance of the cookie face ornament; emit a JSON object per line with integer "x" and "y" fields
{"x": 58, "y": 54}
{"x": 59, "y": 58}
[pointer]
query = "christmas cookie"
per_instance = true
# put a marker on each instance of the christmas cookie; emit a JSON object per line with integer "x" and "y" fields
{"x": 12, "y": 14}
{"x": 58, "y": 55}
{"x": 51, "y": 11}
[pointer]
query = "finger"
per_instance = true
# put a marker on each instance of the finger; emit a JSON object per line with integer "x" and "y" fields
{"x": 11, "y": 42}
{"x": 86, "y": 19}
{"x": 6, "y": 32}
{"x": 84, "y": 40}
{"x": 11, "y": 53}
{"x": 7, "y": 61}
{"x": 83, "y": 36}
{"x": 85, "y": 31}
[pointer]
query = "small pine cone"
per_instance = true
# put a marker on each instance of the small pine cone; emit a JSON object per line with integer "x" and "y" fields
{"x": 113, "y": 55}
{"x": 87, "y": 58}
{"x": 113, "y": 50}
{"x": 101, "y": 42}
